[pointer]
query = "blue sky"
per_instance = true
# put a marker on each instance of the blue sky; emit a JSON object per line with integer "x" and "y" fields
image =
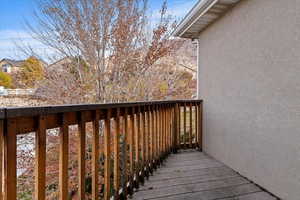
{"x": 14, "y": 13}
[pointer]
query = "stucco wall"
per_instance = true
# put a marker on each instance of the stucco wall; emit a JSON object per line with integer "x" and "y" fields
{"x": 250, "y": 82}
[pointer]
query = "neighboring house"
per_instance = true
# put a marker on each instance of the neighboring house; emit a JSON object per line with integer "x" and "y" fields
{"x": 10, "y": 66}
{"x": 249, "y": 79}
{"x": 60, "y": 64}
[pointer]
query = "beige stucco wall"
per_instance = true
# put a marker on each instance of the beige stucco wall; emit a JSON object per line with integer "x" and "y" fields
{"x": 250, "y": 82}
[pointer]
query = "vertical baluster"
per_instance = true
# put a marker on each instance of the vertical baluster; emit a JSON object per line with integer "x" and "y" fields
{"x": 1, "y": 157}
{"x": 152, "y": 133}
{"x": 143, "y": 142}
{"x": 200, "y": 114}
{"x": 148, "y": 138}
{"x": 131, "y": 142}
{"x": 163, "y": 129}
{"x": 143, "y": 137}
{"x": 95, "y": 156}
{"x": 168, "y": 128}
{"x": 196, "y": 125}
{"x": 137, "y": 138}
{"x": 131, "y": 147}
{"x": 81, "y": 156}
{"x": 63, "y": 159}
{"x": 159, "y": 130}
{"x": 126, "y": 153}
{"x": 156, "y": 135}
{"x": 137, "y": 146}
{"x": 107, "y": 192}
{"x": 179, "y": 125}
{"x": 40, "y": 159}
{"x": 184, "y": 125}
{"x": 191, "y": 126}
{"x": 176, "y": 125}
{"x": 10, "y": 160}
{"x": 117, "y": 153}
{"x": 173, "y": 128}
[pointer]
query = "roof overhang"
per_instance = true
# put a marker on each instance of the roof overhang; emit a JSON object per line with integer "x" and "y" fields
{"x": 204, "y": 13}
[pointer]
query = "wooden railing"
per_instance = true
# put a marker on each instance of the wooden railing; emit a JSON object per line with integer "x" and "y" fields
{"x": 151, "y": 131}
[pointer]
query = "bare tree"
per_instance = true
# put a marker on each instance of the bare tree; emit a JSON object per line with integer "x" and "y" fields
{"x": 109, "y": 56}
{"x": 110, "y": 36}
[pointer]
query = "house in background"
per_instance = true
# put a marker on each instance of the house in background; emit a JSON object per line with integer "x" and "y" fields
{"x": 10, "y": 66}
{"x": 248, "y": 77}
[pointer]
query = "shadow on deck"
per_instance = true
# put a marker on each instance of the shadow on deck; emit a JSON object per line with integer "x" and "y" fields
{"x": 192, "y": 175}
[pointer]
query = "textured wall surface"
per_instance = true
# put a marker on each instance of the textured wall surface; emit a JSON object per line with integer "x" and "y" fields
{"x": 250, "y": 82}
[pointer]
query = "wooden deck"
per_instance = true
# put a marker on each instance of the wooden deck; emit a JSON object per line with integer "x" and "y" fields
{"x": 192, "y": 175}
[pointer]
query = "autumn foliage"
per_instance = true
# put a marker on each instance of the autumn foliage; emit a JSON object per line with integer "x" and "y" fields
{"x": 5, "y": 80}
{"x": 113, "y": 55}
{"x": 31, "y": 72}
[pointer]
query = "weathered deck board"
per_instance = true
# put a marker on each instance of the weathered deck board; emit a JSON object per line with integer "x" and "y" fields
{"x": 192, "y": 175}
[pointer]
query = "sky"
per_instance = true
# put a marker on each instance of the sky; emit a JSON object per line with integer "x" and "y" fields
{"x": 14, "y": 14}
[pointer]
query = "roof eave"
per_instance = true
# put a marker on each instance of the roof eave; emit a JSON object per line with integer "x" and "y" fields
{"x": 204, "y": 13}
{"x": 180, "y": 30}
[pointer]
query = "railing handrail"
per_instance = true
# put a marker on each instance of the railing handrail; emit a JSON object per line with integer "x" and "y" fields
{"x": 12, "y": 112}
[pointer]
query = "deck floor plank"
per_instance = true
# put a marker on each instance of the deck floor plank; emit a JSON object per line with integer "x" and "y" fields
{"x": 192, "y": 175}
